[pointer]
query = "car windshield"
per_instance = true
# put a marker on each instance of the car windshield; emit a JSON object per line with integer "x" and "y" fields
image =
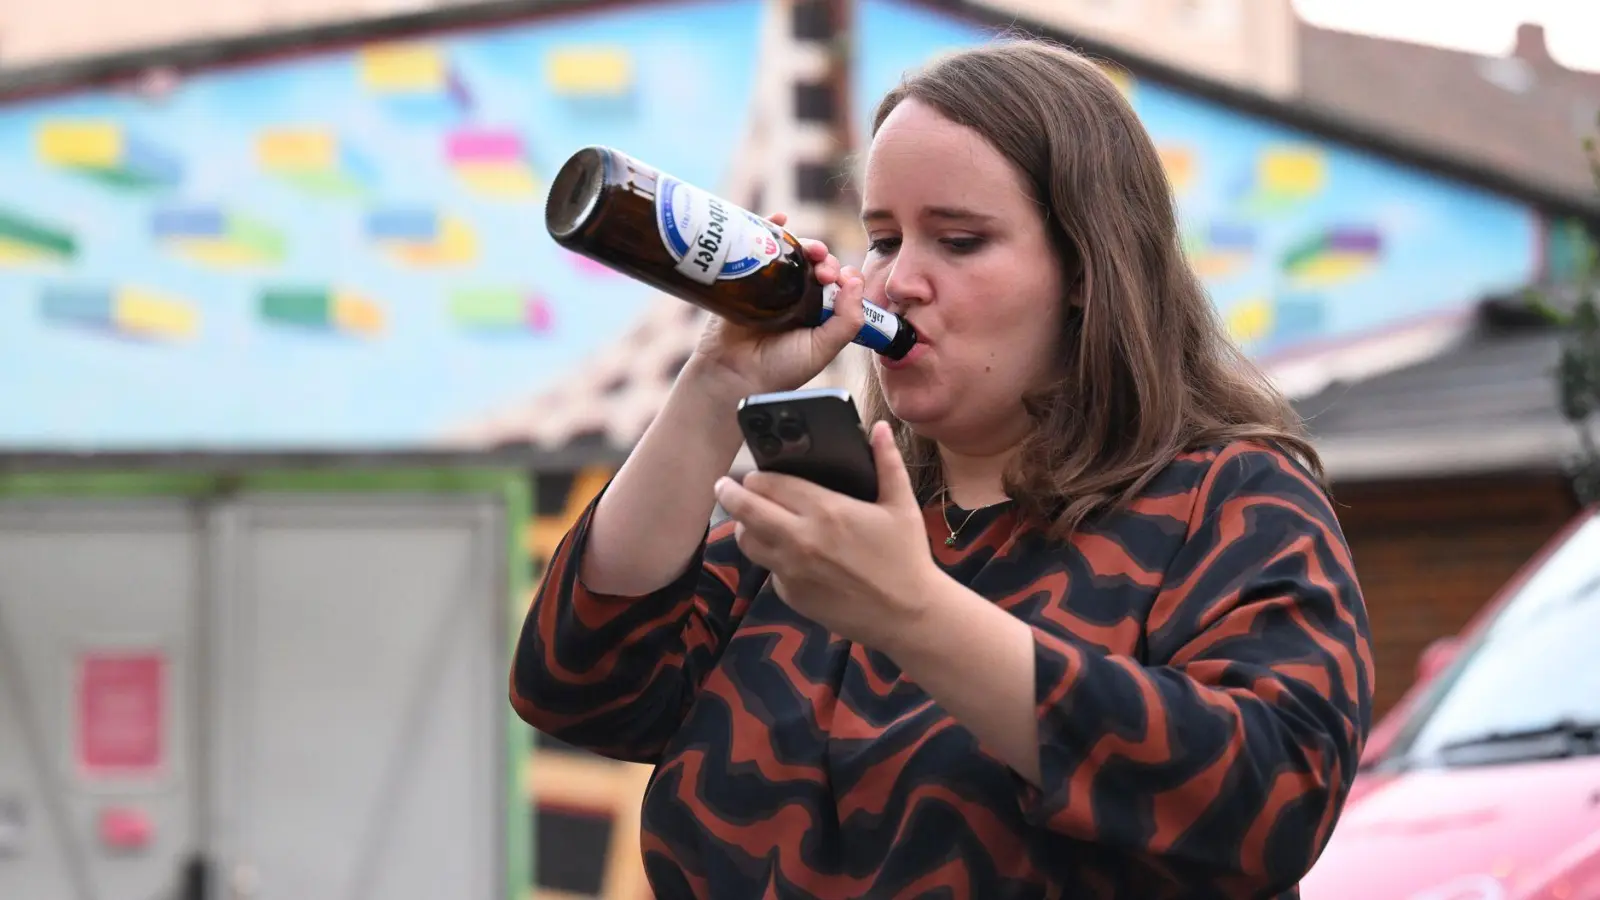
{"x": 1531, "y": 675}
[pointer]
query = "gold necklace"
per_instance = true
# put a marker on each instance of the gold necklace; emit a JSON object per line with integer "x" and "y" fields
{"x": 944, "y": 514}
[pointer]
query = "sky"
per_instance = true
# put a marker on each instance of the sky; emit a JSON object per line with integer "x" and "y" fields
{"x": 1572, "y": 27}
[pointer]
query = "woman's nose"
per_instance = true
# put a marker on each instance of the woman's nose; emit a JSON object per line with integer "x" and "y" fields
{"x": 903, "y": 287}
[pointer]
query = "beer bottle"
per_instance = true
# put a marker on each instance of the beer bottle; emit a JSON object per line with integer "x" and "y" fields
{"x": 697, "y": 247}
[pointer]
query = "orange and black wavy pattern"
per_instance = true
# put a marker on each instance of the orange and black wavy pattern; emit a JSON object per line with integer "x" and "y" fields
{"x": 1203, "y": 678}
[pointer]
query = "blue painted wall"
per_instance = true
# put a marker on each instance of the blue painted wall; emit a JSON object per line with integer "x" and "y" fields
{"x": 305, "y": 254}
{"x": 347, "y": 249}
{"x": 1299, "y": 241}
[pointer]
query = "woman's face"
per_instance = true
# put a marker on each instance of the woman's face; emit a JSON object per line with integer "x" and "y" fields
{"x": 960, "y": 249}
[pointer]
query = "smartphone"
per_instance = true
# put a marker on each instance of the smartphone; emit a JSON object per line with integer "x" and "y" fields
{"x": 813, "y": 434}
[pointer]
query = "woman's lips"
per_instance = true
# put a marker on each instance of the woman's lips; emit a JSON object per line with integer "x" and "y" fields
{"x": 917, "y": 350}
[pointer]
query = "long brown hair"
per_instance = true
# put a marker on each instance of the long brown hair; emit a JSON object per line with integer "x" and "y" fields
{"x": 1148, "y": 370}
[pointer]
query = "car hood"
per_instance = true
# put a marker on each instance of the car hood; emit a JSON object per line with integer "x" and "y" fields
{"x": 1500, "y": 832}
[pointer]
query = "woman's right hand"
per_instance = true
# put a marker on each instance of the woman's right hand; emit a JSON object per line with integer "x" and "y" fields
{"x": 744, "y": 361}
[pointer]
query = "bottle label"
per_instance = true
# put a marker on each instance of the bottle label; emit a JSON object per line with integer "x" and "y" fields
{"x": 710, "y": 239}
{"x": 879, "y": 328}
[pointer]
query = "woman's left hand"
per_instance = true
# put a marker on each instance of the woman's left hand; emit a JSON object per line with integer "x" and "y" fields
{"x": 858, "y": 569}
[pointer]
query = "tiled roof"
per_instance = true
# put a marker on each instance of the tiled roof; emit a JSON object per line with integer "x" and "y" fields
{"x": 1523, "y": 114}
{"x": 1486, "y": 403}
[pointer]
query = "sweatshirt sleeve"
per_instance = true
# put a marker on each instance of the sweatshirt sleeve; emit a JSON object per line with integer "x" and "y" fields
{"x": 1225, "y": 757}
{"x": 616, "y": 675}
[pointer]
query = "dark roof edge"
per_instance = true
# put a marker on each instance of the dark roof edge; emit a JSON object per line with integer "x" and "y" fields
{"x": 211, "y": 462}
{"x": 111, "y": 69}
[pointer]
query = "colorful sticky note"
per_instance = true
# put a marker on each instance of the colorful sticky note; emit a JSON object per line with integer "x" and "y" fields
{"x": 500, "y": 310}
{"x": 315, "y": 160}
{"x": 590, "y": 72}
{"x": 491, "y": 163}
{"x": 1179, "y": 164}
{"x": 422, "y": 237}
{"x": 1332, "y": 257}
{"x": 1250, "y": 320}
{"x": 106, "y": 152}
{"x": 1298, "y": 317}
{"x": 403, "y": 68}
{"x": 1224, "y": 249}
{"x": 1286, "y": 176}
{"x": 413, "y": 81}
{"x": 25, "y": 240}
{"x": 322, "y": 309}
{"x": 128, "y": 311}
{"x": 212, "y": 236}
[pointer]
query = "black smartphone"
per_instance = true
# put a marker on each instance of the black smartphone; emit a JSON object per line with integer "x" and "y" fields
{"x": 814, "y": 434}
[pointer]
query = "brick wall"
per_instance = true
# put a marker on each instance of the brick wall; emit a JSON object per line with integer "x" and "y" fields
{"x": 1431, "y": 554}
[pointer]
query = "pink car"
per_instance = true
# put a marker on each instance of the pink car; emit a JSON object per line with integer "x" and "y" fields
{"x": 1483, "y": 783}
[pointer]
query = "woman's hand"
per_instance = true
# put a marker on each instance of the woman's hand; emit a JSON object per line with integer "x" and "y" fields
{"x": 861, "y": 570}
{"x": 751, "y": 361}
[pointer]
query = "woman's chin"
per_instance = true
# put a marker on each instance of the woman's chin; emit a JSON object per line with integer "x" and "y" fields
{"x": 915, "y": 407}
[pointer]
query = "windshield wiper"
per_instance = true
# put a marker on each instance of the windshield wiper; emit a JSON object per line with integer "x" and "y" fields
{"x": 1564, "y": 737}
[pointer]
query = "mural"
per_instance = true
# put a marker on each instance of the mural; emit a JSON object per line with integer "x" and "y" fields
{"x": 346, "y": 250}
{"x": 1299, "y": 241}
{"x": 338, "y": 250}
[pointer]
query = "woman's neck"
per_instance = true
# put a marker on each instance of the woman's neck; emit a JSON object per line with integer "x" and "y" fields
{"x": 974, "y": 480}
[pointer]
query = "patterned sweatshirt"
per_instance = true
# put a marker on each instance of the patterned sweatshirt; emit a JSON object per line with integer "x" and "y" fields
{"x": 1202, "y": 677}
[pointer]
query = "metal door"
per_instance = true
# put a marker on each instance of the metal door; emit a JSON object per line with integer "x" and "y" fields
{"x": 99, "y": 611}
{"x": 359, "y": 703}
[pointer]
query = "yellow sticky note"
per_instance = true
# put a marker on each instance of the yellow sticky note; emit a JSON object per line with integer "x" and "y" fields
{"x": 145, "y": 312}
{"x": 590, "y": 70}
{"x": 296, "y": 150}
{"x": 1299, "y": 171}
{"x": 90, "y": 144}
{"x": 402, "y": 67}
{"x": 1250, "y": 320}
{"x": 358, "y": 314}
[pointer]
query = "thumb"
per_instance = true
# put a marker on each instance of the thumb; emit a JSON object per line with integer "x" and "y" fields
{"x": 894, "y": 482}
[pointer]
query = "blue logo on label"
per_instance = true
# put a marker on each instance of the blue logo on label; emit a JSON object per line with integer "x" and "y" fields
{"x": 680, "y": 217}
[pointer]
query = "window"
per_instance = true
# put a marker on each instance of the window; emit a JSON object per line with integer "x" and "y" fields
{"x": 815, "y": 183}
{"x": 813, "y": 102}
{"x": 813, "y": 20}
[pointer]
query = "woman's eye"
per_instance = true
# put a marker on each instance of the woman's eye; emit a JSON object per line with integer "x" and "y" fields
{"x": 883, "y": 245}
{"x": 964, "y": 244}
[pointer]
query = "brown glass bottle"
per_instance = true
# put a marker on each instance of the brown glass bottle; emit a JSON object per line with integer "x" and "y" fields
{"x": 697, "y": 247}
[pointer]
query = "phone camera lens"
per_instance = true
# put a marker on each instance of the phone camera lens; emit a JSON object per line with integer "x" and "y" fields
{"x": 767, "y": 445}
{"x": 759, "y": 423}
{"x": 791, "y": 430}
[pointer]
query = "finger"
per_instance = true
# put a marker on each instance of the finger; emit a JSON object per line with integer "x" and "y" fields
{"x": 816, "y": 251}
{"x": 848, "y": 315}
{"x": 778, "y": 219}
{"x": 894, "y": 481}
{"x": 769, "y": 522}
{"x": 827, "y": 271}
{"x": 754, "y": 549}
{"x": 796, "y": 495}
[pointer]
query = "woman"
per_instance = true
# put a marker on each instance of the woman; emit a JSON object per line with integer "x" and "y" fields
{"x": 1100, "y": 636}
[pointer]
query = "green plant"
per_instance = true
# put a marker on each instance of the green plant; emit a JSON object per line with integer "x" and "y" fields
{"x": 1577, "y": 371}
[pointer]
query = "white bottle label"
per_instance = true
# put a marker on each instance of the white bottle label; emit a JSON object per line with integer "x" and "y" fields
{"x": 710, "y": 239}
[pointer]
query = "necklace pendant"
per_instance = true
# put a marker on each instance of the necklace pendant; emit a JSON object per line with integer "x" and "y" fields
{"x": 950, "y": 541}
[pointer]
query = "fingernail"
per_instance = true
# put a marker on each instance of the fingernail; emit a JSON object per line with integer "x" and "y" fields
{"x": 721, "y": 483}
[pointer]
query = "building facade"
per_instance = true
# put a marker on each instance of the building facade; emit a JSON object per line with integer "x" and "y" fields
{"x": 327, "y": 239}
